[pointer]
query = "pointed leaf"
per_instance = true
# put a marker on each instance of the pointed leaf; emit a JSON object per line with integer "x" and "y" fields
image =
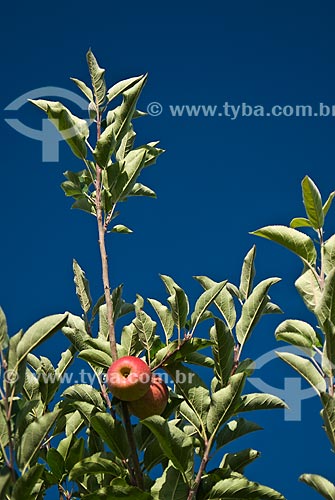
{"x": 261, "y": 401}
{"x": 294, "y": 240}
{"x": 120, "y": 228}
{"x": 328, "y": 203}
{"x": 238, "y": 461}
{"x": 97, "y": 78}
{"x": 224, "y": 301}
{"x": 165, "y": 317}
{"x": 320, "y": 484}
{"x": 313, "y": 202}
{"x": 98, "y": 463}
{"x": 98, "y": 358}
{"x": 300, "y": 222}
{"x": 105, "y": 146}
{"x": 3, "y": 330}
{"x": 122, "y": 86}
{"x": 174, "y": 442}
{"x": 74, "y": 130}
{"x": 223, "y": 350}
{"x": 25, "y": 484}
{"x": 224, "y": 403}
{"x": 84, "y": 88}
{"x": 203, "y": 302}
{"x": 142, "y": 190}
{"x": 112, "y": 433}
{"x": 82, "y": 287}
{"x": 248, "y": 273}
{"x": 253, "y": 309}
{"x": 38, "y": 333}
{"x": 84, "y": 392}
{"x": 234, "y": 430}
{"x": 306, "y": 369}
{"x": 33, "y": 437}
{"x": 240, "y": 488}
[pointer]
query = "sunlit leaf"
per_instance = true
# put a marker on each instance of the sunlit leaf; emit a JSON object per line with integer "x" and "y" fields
{"x": 306, "y": 369}
{"x": 313, "y": 202}
{"x": 297, "y": 333}
{"x": 320, "y": 484}
{"x": 248, "y": 273}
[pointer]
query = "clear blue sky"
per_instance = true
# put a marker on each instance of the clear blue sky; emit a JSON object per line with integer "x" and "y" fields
{"x": 219, "y": 179}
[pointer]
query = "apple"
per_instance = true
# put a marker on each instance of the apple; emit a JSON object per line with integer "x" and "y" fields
{"x": 154, "y": 400}
{"x": 128, "y": 378}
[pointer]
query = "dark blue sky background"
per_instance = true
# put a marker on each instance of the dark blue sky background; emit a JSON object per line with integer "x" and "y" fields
{"x": 218, "y": 180}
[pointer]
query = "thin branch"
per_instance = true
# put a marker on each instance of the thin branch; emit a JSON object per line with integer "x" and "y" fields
{"x": 193, "y": 491}
{"x": 131, "y": 440}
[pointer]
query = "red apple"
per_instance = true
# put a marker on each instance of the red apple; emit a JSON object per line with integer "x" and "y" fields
{"x": 153, "y": 402}
{"x": 128, "y": 378}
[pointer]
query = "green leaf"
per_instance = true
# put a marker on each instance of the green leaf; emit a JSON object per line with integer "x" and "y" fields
{"x": 97, "y": 358}
{"x": 84, "y": 88}
{"x": 38, "y": 333}
{"x": 3, "y": 330}
{"x": 238, "y": 461}
{"x": 240, "y": 488}
{"x": 98, "y": 463}
{"x": 97, "y": 78}
{"x": 74, "y": 130}
{"x": 82, "y": 287}
{"x": 75, "y": 330}
{"x": 300, "y": 222}
{"x": 142, "y": 190}
{"x": 325, "y": 310}
{"x": 84, "y": 392}
{"x": 306, "y": 369}
{"x": 146, "y": 328}
{"x": 174, "y": 442}
{"x": 294, "y": 240}
{"x": 5, "y": 479}
{"x": 133, "y": 164}
{"x": 120, "y": 228}
{"x": 25, "y": 484}
{"x": 105, "y": 146}
{"x": 56, "y": 463}
{"x": 313, "y": 202}
{"x": 178, "y": 301}
{"x": 328, "y": 354}
{"x": 253, "y": 308}
{"x": 33, "y": 437}
{"x": 320, "y": 484}
{"x": 223, "y": 350}
{"x": 119, "y": 488}
{"x": 126, "y": 144}
{"x": 76, "y": 452}
{"x": 165, "y": 317}
{"x": 328, "y": 203}
{"x": 328, "y": 415}
{"x": 120, "y": 117}
{"x": 329, "y": 254}
{"x": 297, "y": 333}
{"x": 260, "y": 401}
{"x": 225, "y": 402}
{"x": 224, "y": 301}
{"x": 170, "y": 485}
{"x": 203, "y": 302}
{"x": 130, "y": 342}
{"x": 248, "y": 273}
{"x": 112, "y": 433}
{"x": 122, "y": 86}
{"x": 234, "y": 430}
{"x": 308, "y": 287}
{"x": 67, "y": 358}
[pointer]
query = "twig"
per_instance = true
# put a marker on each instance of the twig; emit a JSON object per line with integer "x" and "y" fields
{"x": 131, "y": 440}
{"x": 193, "y": 491}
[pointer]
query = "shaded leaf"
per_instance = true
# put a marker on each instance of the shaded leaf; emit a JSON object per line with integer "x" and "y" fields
{"x": 170, "y": 485}
{"x": 98, "y": 358}
{"x": 112, "y": 433}
{"x": 260, "y": 401}
{"x": 24, "y": 485}
{"x": 328, "y": 415}
{"x": 98, "y": 463}
{"x": 235, "y": 429}
{"x": 238, "y": 461}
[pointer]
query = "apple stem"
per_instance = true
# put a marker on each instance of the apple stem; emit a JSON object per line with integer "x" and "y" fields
{"x": 133, "y": 450}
